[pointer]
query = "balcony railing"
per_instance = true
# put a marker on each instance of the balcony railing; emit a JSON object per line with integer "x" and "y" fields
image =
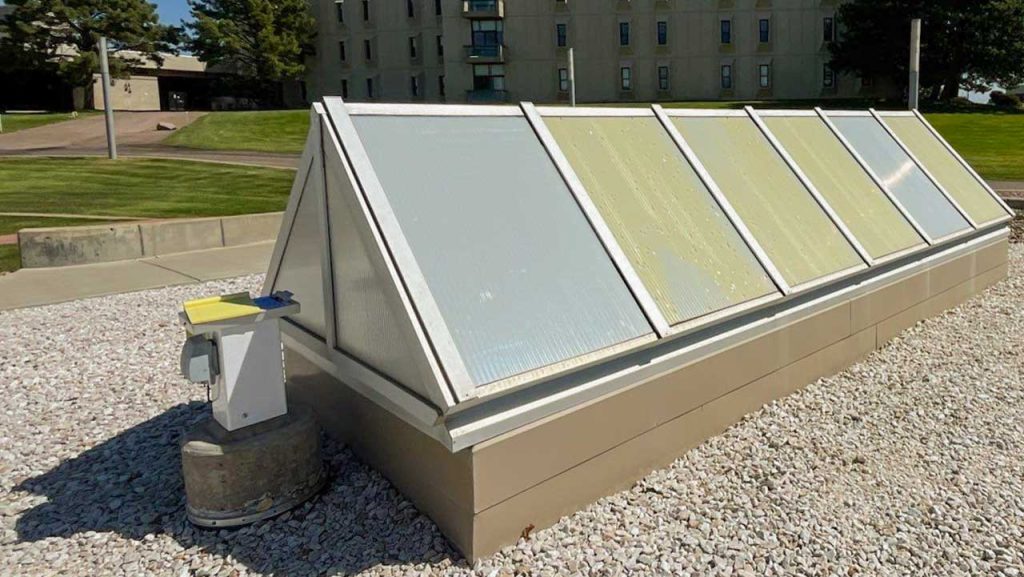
{"x": 483, "y": 8}
{"x": 485, "y": 54}
{"x": 486, "y": 95}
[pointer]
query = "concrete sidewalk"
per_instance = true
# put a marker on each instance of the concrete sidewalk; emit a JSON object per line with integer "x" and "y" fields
{"x": 42, "y": 286}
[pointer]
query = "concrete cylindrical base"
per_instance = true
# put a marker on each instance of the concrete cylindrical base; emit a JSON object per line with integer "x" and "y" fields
{"x": 239, "y": 477}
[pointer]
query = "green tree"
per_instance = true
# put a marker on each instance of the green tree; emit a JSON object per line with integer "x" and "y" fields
{"x": 965, "y": 43}
{"x": 260, "y": 40}
{"x": 62, "y": 36}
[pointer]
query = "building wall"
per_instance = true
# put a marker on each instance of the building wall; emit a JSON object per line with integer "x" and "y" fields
{"x": 132, "y": 93}
{"x": 796, "y": 52}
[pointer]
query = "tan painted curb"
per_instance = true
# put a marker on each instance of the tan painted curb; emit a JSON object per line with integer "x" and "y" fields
{"x": 64, "y": 246}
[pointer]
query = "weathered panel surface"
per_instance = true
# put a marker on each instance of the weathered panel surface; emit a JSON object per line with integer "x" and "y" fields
{"x": 685, "y": 250}
{"x": 518, "y": 275}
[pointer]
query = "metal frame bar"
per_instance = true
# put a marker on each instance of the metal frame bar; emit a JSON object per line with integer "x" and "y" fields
{"x": 681, "y": 327}
{"x": 597, "y": 222}
{"x": 326, "y": 258}
{"x": 294, "y": 197}
{"x": 927, "y": 173}
{"x": 822, "y": 202}
{"x": 1009, "y": 211}
{"x": 723, "y": 202}
{"x": 874, "y": 177}
{"x": 403, "y": 109}
{"x": 405, "y": 270}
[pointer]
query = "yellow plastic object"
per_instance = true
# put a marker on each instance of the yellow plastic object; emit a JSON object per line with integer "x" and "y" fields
{"x": 220, "y": 308}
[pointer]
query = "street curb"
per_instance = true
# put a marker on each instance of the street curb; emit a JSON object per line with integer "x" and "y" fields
{"x": 74, "y": 245}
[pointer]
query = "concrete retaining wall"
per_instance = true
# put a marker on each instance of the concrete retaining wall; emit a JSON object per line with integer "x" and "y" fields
{"x": 47, "y": 247}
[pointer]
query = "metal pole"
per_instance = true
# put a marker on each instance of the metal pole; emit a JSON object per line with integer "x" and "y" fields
{"x": 915, "y": 63}
{"x": 108, "y": 111}
{"x": 572, "y": 78}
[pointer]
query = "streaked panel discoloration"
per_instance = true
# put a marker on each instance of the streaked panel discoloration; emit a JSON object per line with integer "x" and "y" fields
{"x": 682, "y": 246}
{"x": 872, "y": 218}
{"x": 946, "y": 169}
{"x": 926, "y": 203}
{"x": 781, "y": 213}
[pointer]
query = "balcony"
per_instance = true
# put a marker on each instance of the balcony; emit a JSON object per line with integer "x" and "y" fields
{"x": 483, "y": 8}
{"x": 481, "y": 96}
{"x": 485, "y": 54}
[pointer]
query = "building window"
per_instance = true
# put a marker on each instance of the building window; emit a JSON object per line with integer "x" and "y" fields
{"x": 369, "y": 87}
{"x": 367, "y": 50}
{"x": 623, "y": 33}
{"x": 563, "y": 80}
{"x": 440, "y": 46}
{"x": 726, "y": 77}
{"x": 764, "y": 76}
{"x": 764, "y": 30}
{"x": 626, "y": 78}
{"x": 829, "y": 28}
{"x": 437, "y": 7}
{"x": 662, "y": 33}
{"x": 341, "y": 51}
{"x": 488, "y": 77}
{"x": 663, "y": 78}
{"x": 366, "y": 10}
{"x": 561, "y": 33}
{"x": 414, "y": 85}
{"x": 726, "y": 32}
{"x": 440, "y": 85}
{"x": 488, "y": 32}
{"x": 828, "y": 77}
{"x": 413, "y": 47}
{"x": 339, "y": 7}
{"x": 410, "y": 10}
{"x": 344, "y": 88}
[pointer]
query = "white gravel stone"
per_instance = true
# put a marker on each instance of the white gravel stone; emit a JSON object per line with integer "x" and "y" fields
{"x": 908, "y": 463}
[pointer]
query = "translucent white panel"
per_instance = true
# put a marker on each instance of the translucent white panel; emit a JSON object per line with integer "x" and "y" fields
{"x": 865, "y": 209}
{"x": 901, "y": 176}
{"x": 300, "y": 271}
{"x": 686, "y": 252}
{"x": 515, "y": 270}
{"x": 802, "y": 242}
{"x": 371, "y": 323}
{"x": 946, "y": 168}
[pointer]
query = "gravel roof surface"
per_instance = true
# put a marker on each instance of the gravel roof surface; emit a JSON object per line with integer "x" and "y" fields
{"x": 909, "y": 463}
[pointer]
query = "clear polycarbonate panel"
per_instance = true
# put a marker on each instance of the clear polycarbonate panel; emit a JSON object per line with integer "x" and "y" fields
{"x": 370, "y": 322}
{"x": 946, "y": 168}
{"x": 925, "y": 203}
{"x": 684, "y": 249}
{"x": 780, "y": 212}
{"x": 300, "y": 271}
{"x": 865, "y": 209}
{"x": 520, "y": 278}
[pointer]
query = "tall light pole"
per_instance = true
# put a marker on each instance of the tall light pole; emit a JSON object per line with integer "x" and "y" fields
{"x": 108, "y": 111}
{"x": 915, "y": 63}
{"x": 572, "y": 78}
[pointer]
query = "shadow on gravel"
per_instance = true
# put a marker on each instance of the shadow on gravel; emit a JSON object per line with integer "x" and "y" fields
{"x": 131, "y": 485}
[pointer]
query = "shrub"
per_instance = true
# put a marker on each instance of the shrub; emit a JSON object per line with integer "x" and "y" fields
{"x": 1004, "y": 100}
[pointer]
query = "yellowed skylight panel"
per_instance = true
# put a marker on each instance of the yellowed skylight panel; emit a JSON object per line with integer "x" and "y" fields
{"x": 799, "y": 238}
{"x": 865, "y": 209}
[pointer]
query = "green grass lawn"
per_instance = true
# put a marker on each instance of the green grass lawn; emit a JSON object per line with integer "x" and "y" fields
{"x": 140, "y": 187}
{"x": 132, "y": 188}
{"x": 16, "y": 122}
{"x": 261, "y": 131}
{"x": 992, "y": 143}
